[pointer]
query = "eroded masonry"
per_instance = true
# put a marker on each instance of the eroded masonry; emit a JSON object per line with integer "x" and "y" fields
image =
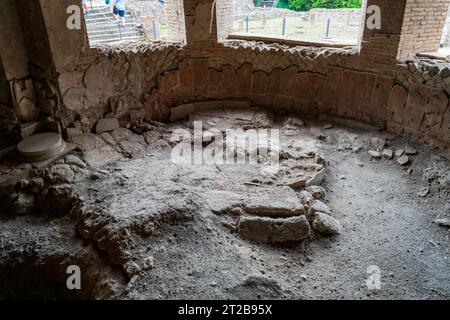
{"x": 350, "y": 143}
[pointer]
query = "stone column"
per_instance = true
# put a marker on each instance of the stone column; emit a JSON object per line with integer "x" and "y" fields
{"x": 13, "y": 53}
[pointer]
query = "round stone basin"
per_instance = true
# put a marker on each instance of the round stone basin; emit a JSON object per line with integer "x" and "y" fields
{"x": 41, "y": 146}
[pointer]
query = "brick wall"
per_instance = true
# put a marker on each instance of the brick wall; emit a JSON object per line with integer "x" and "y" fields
{"x": 174, "y": 12}
{"x": 423, "y": 24}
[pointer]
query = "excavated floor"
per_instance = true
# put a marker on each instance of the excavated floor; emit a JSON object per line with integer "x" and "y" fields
{"x": 143, "y": 227}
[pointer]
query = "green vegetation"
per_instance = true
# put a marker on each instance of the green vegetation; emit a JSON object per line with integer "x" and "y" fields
{"x": 305, "y": 5}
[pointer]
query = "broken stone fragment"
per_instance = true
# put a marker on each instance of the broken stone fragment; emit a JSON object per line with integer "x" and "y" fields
{"x": 378, "y": 143}
{"x": 410, "y": 151}
{"x": 387, "y": 153}
{"x": 326, "y": 224}
{"x": 36, "y": 185}
{"x": 445, "y": 222}
{"x": 318, "y": 206}
{"x": 149, "y": 263}
{"x": 399, "y": 152}
{"x": 403, "y": 160}
{"x": 306, "y": 198}
{"x": 60, "y": 173}
{"x": 293, "y": 122}
{"x": 317, "y": 179}
{"x": 131, "y": 268}
{"x": 24, "y": 203}
{"x": 269, "y": 230}
{"x": 423, "y": 192}
{"x": 297, "y": 182}
{"x": 74, "y": 160}
{"x": 106, "y": 125}
{"x": 375, "y": 154}
{"x": 317, "y": 191}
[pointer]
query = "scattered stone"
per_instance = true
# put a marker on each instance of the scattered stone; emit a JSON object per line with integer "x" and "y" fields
{"x": 326, "y": 225}
{"x": 149, "y": 263}
{"x": 445, "y": 222}
{"x": 36, "y": 185}
{"x": 256, "y": 283}
{"x": 236, "y": 211}
{"x": 423, "y": 192}
{"x": 318, "y": 206}
{"x": 297, "y": 182}
{"x": 403, "y": 160}
{"x": 410, "y": 151}
{"x": 317, "y": 179}
{"x": 306, "y": 198}
{"x": 24, "y": 203}
{"x": 131, "y": 268}
{"x": 74, "y": 160}
{"x": 328, "y": 126}
{"x": 229, "y": 226}
{"x": 293, "y": 122}
{"x": 375, "y": 154}
{"x": 399, "y": 152}
{"x": 269, "y": 230}
{"x": 317, "y": 191}
{"x": 60, "y": 173}
{"x": 378, "y": 143}
{"x": 107, "y": 125}
{"x": 387, "y": 153}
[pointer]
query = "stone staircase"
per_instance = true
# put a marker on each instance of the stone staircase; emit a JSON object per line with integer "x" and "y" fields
{"x": 102, "y": 27}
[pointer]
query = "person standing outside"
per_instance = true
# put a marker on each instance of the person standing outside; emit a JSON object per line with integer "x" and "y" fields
{"x": 120, "y": 6}
{"x": 85, "y": 7}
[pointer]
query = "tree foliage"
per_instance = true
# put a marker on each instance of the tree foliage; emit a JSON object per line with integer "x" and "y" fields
{"x": 305, "y": 5}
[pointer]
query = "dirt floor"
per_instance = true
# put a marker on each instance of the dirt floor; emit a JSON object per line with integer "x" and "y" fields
{"x": 143, "y": 227}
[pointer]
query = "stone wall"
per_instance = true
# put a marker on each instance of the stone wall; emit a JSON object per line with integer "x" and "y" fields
{"x": 144, "y": 81}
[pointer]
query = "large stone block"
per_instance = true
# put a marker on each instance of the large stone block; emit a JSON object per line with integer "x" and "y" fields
{"x": 269, "y": 230}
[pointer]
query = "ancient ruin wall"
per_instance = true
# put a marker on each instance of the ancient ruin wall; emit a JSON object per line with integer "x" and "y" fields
{"x": 144, "y": 81}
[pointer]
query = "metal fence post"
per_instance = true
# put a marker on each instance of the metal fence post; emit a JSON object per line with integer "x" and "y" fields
{"x": 327, "y": 34}
{"x": 246, "y": 24}
{"x": 155, "y": 36}
{"x": 283, "y": 30}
